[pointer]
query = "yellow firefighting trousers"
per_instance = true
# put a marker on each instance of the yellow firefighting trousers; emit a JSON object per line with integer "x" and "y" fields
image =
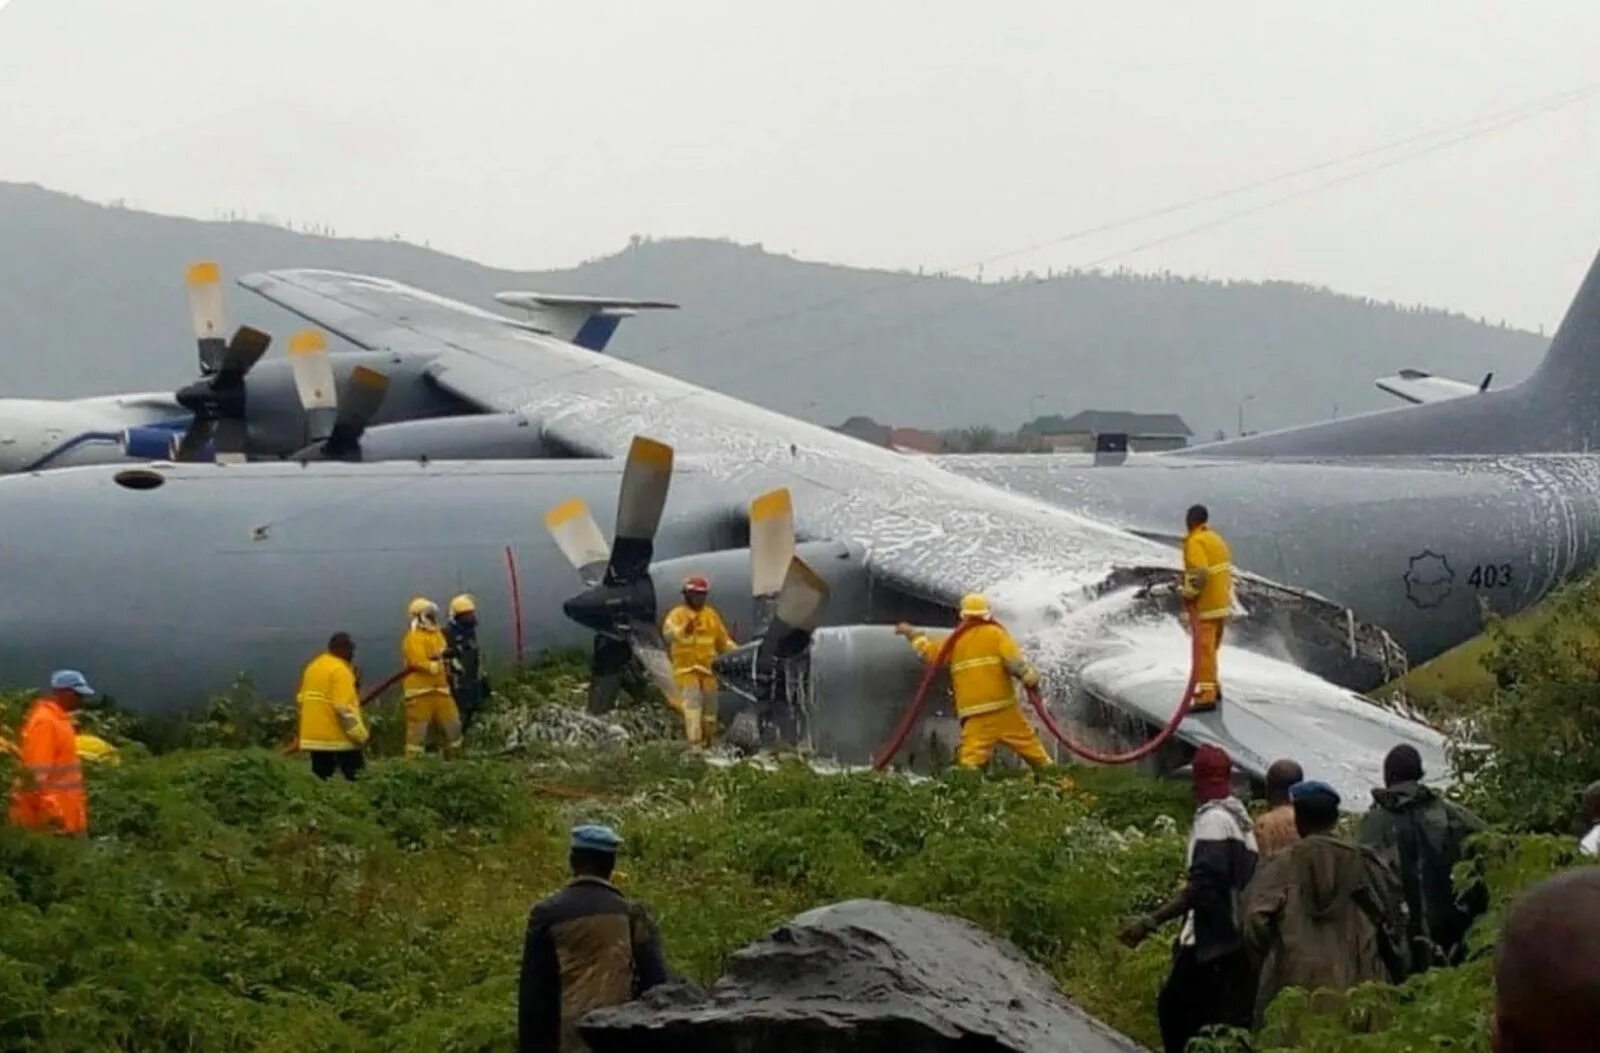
{"x": 1008, "y": 727}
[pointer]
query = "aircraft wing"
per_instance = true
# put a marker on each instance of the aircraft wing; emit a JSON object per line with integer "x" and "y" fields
{"x": 927, "y": 534}
{"x": 1273, "y": 709}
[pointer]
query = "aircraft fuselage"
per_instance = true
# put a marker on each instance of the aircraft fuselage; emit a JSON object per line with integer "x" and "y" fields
{"x": 1418, "y": 546}
{"x": 1414, "y": 545}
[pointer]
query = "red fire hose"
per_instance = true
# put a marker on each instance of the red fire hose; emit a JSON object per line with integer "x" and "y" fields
{"x": 913, "y": 711}
{"x": 386, "y": 685}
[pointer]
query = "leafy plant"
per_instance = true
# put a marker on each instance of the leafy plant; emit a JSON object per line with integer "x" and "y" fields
{"x": 1526, "y": 756}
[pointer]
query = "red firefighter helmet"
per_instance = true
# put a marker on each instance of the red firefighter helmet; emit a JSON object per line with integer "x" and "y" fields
{"x": 696, "y": 583}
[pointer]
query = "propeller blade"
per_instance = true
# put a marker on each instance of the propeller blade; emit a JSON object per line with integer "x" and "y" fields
{"x": 578, "y": 536}
{"x": 195, "y": 438}
{"x": 242, "y": 353}
{"x": 650, "y": 648}
{"x": 357, "y": 408}
{"x": 606, "y": 667}
{"x": 645, "y": 479}
{"x": 208, "y": 312}
{"x": 771, "y": 541}
{"x": 231, "y": 440}
{"x": 367, "y": 390}
{"x": 802, "y": 598}
{"x": 314, "y": 382}
{"x": 758, "y": 670}
{"x": 619, "y": 606}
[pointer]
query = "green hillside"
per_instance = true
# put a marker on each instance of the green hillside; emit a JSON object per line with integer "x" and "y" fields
{"x": 91, "y": 301}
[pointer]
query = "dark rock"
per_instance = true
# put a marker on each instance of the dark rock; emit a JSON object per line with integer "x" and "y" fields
{"x": 859, "y": 976}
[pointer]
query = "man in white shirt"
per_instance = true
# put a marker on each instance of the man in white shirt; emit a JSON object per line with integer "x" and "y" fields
{"x": 1590, "y": 845}
{"x": 1213, "y": 979}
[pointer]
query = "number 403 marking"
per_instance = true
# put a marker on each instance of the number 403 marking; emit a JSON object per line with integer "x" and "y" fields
{"x": 1490, "y": 576}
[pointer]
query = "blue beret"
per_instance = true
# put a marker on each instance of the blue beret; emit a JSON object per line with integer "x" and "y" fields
{"x": 1313, "y": 788}
{"x": 595, "y": 838}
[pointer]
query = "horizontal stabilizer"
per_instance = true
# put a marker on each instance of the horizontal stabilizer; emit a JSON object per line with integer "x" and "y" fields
{"x": 1415, "y": 386}
{"x": 587, "y": 321}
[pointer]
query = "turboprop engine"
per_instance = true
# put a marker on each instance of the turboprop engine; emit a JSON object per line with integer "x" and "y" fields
{"x": 481, "y": 437}
{"x": 840, "y": 695}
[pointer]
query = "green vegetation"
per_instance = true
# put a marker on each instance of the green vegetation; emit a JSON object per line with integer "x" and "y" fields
{"x": 1528, "y": 752}
{"x": 1463, "y": 677}
{"x": 229, "y": 901}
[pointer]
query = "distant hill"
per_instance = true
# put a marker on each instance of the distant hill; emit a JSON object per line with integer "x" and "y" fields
{"x": 91, "y": 300}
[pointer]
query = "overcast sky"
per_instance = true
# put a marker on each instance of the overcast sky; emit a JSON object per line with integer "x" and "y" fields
{"x": 883, "y": 133}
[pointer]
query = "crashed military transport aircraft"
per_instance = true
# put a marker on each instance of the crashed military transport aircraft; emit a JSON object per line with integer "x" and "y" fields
{"x": 183, "y": 575}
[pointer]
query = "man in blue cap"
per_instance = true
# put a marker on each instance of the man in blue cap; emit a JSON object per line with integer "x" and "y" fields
{"x": 586, "y": 947}
{"x": 1325, "y": 912}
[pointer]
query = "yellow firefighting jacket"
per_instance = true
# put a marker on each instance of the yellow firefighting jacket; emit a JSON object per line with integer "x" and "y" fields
{"x": 422, "y": 652}
{"x": 93, "y": 749}
{"x": 982, "y": 663}
{"x": 695, "y": 638}
{"x": 1208, "y": 573}
{"x": 330, "y": 707}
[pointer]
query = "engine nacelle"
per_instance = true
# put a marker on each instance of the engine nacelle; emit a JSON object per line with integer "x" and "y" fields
{"x": 728, "y": 571}
{"x": 492, "y": 436}
{"x": 843, "y": 696}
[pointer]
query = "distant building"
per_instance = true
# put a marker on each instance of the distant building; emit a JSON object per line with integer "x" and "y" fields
{"x": 915, "y": 440}
{"x": 903, "y": 440}
{"x": 1145, "y": 431}
{"x": 866, "y": 429}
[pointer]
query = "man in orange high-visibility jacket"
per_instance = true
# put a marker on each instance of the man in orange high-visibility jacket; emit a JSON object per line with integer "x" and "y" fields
{"x": 1208, "y": 601}
{"x": 48, "y": 792}
{"x": 982, "y": 663}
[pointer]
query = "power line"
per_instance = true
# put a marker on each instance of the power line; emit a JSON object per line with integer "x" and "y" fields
{"x": 1478, "y": 128}
{"x": 1482, "y": 124}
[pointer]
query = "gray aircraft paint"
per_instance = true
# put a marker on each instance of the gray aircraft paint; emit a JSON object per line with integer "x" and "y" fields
{"x": 1416, "y": 545}
{"x": 222, "y": 569}
{"x": 208, "y": 585}
{"x": 926, "y": 535}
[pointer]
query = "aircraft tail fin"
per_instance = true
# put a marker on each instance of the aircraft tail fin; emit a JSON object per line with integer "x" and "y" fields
{"x": 588, "y": 321}
{"x": 1568, "y": 380}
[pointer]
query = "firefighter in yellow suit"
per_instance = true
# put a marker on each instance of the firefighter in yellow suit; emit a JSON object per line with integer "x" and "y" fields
{"x": 696, "y": 635}
{"x": 331, "y": 730}
{"x": 982, "y": 663}
{"x": 427, "y": 682}
{"x": 1208, "y": 600}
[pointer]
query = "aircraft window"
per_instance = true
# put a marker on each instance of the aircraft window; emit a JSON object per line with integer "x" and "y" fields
{"x": 140, "y": 479}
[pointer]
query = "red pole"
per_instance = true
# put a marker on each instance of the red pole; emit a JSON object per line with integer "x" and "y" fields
{"x": 516, "y": 599}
